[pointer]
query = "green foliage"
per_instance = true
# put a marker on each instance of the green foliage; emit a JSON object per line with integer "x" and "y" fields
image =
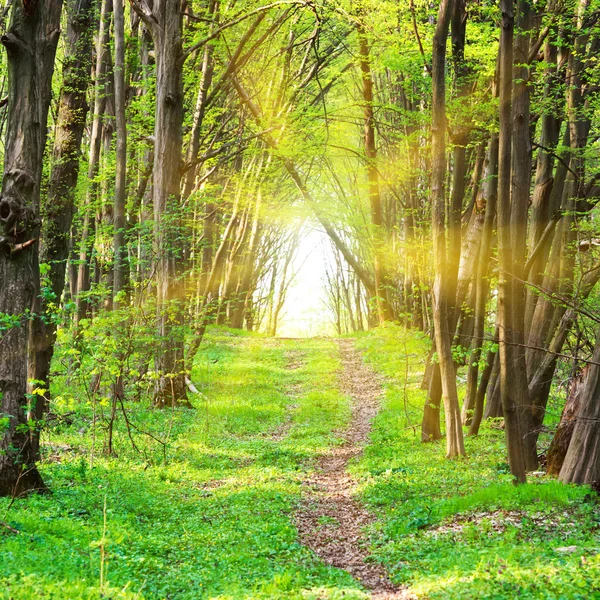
{"x": 213, "y": 518}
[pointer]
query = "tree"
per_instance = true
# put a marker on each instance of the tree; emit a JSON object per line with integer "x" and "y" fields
{"x": 454, "y": 434}
{"x": 30, "y": 42}
{"x": 164, "y": 20}
{"x": 58, "y": 208}
{"x": 511, "y": 390}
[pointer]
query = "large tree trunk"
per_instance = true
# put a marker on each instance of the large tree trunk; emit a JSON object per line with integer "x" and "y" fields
{"x": 164, "y": 19}
{"x": 58, "y": 207}
{"x": 30, "y": 43}
{"x": 454, "y": 434}
{"x": 582, "y": 460}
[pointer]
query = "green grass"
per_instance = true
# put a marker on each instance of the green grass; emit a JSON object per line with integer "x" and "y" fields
{"x": 207, "y": 514}
{"x": 419, "y": 496}
{"x": 214, "y": 519}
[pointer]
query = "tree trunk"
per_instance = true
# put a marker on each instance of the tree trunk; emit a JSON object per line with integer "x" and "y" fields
{"x": 382, "y": 283}
{"x": 582, "y": 459}
{"x": 164, "y": 20}
{"x": 58, "y": 208}
{"x": 240, "y": 304}
{"x": 481, "y": 280}
{"x": 205, "y": 83}
{"x": 89, "y": 218}
{"x": 430, "y": 424}
{"x": 512, "y": 397}
{"x": 30, "y": 42}
{"x": 119, "y": 247}
{"x": 519, "y": 199}
{"x": 459, "y": 167}
{"x": 555, "y": 457}
{"x": 544, "y": 178}
{"x": 454, "y": 434}
{"x": 481, "y": 389}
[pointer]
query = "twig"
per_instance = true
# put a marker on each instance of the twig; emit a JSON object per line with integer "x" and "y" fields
{"x": 11, "y": 529}
{"x": 416, "y": 29}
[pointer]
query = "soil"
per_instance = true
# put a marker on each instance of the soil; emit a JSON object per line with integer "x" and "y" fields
{"x": 331, "y": 521}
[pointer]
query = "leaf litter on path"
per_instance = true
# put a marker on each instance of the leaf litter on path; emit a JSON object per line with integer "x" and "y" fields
{"x": 331, "y": 522}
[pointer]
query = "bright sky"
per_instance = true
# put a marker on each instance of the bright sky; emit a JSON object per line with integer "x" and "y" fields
{"x": 305, "y": 313}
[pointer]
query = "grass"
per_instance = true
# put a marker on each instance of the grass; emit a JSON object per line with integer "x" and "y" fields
{"x": 214, "y": 519}
{"x": 207, "y": 514}
{"x": 461, "y": 529}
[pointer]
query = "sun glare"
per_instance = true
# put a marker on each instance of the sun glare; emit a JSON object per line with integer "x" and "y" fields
{"x": 305, "y": 312}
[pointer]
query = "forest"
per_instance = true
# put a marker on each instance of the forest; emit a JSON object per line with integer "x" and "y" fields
{"x": 183, "y": 180}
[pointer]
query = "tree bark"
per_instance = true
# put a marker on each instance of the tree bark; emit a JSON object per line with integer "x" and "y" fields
{"x": 511, "y": 393}
{"x": 481, "y": 281}
{"x": 88, "y": 231}
{"x": 582, "y": 460}
{"x": 119, "y": 247}
{"x": 164, "y": 19}
{"x": 382, "y": 283}
{"x": 555, "y": 457}
{"x": 30, "y": 42}
{"x": 519, "y": 199}
{"x": 58, "y": 207}
{"x": 454, "y": 434}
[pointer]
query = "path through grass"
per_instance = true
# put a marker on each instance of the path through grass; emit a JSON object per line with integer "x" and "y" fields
{"x": 215, "y": 519}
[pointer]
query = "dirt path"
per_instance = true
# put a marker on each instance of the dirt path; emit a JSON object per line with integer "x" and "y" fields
{"x": 331, "y": 522}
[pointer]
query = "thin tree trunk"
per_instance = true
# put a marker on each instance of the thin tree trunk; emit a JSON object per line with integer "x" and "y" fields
{"x": 89, "y": 218}
{"x": 482, "y": 387}
{"x": 384, "y": 308}
{"x": 454, "y": 434}
{"x": 241, "y": 301}
{"x": 119, "y": 247}
{"x": 481, "y": 279}
{"x": 519, "y": 198}
{"x": 120, "y": 270}
{"x": 511, "y": 393}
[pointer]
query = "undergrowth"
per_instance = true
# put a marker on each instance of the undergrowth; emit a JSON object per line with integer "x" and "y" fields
{"x": 206, "y": 516}
{"x": 198, "y": 503}
{"x": 460, "y": 528}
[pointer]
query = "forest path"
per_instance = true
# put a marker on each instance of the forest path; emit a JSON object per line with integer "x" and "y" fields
{"x": 331, "y": 521}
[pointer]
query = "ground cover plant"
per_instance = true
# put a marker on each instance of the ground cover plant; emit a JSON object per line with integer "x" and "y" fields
{"x": 461, "y": 529}
{"x": 215, "y": 519}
